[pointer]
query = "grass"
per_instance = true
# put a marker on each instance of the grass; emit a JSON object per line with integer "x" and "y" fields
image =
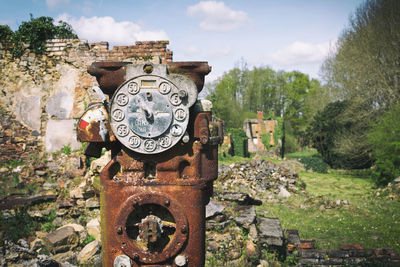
{"x": 371, "y": 221}
{"x": 302, "y": 154}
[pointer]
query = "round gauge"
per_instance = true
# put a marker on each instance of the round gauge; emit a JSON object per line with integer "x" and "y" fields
{"x": 149, "y": 114}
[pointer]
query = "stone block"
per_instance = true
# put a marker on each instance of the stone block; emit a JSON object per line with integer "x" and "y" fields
{"x": 332, "y": 261}
{"x": 28, "y": 111}
{"x": 92, "y": 203}
{"x": 312, "y": 253}
{"x": 246, "y": 215}
{"x": 93, "y": 228}
{"x": 61, "y": 240}
{"x": 213, "y": 208}
{"x": 60, "y": 133}
{"x": 88, "y": 251}
{"x": 337, "y": 254}
{"x": 270, "y": 231}
{"x": 66, "y": 257}
{"x": 308, "y": 262}
{"x": 384, "y": 251}
{"x": 292, "y": 236}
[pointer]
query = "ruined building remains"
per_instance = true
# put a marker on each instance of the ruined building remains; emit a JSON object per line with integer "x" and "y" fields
{"x": 48, "y": 93}
{"x": 256, "y": 128}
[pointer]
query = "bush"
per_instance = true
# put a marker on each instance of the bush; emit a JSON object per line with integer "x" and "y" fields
{"x": 330, "y": 130}
{"x": 5, "y": 34}
{"x": 18, "y": 226}
{"x": 34, "y": 33}
{"x": 385, "y": 141}
{"x": 291, "y": 145}
{"x": 316, "y": 164}
{"x": 239, "y": 139}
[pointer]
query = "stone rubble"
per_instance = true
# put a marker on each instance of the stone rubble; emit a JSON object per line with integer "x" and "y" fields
{"x": 256, "y": 177}
{"x": 237, "y": 230}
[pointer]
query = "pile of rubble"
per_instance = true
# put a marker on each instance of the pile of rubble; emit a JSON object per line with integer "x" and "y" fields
{"x": 65, "y": 211}
{"x": 257, "y": 178}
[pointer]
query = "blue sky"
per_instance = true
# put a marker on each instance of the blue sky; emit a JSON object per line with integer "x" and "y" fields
{"x": 282, "y": 34}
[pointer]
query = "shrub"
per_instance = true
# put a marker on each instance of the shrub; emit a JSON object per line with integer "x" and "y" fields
{"x": 239, "y": 139}
{"x": 34, "y": 34}
{"x": 291, "y": 144}
{"x": 5, "y": 34}
{"x": 88, "y": 240}
{"x": 18, "y": 226}
{"x": 66, "y": 149}
{"x": 316, "y": 164}
{"x": 331, "y": 130}
{"x": 385, "y": 141}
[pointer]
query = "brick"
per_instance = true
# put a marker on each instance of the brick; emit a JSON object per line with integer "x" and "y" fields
{"x": 351, "y": 246}
{"x": 304, "y": 244}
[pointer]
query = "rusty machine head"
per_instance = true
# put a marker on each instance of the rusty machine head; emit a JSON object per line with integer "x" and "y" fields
{"x": 163, "y": 142}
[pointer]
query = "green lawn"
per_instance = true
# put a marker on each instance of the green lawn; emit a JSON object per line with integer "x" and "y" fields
{"x": 369, "y": 220}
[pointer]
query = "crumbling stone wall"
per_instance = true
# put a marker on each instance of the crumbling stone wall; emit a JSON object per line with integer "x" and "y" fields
{"x": 48, "y": 93}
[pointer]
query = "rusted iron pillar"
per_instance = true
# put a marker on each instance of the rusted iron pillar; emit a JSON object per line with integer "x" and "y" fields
{"x": 164, "y": 161}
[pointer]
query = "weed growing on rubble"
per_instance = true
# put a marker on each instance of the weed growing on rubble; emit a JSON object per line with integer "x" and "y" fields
{"x": 17, "y": 226}
{"x": 48, "y": 225}
{"x": 88, "y": 240}
{"x": 66, "y": 150}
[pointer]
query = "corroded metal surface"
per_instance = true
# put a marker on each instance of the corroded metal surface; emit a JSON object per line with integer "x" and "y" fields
{"x": 112, "y": 74}
{"x": 153, "y": 205}
{"x": 109, "y": 74}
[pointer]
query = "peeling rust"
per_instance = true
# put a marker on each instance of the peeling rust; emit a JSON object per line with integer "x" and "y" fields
{"x": 109, "y": 74}
{"x": 153, "y": 205}
{"x": 196, "y": 70}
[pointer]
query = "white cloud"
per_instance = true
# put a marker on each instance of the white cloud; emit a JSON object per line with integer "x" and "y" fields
{"x": 219, "y": 51}
{"x": 96, "y": 29}
{"x": 299, "y": 53}
{"x": 191, "y": 50}
{"x": 216, "y": 16}
{"x": 53, "y": 4}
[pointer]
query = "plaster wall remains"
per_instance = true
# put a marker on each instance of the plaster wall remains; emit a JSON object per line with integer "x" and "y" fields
{"x": 48, "y": 93}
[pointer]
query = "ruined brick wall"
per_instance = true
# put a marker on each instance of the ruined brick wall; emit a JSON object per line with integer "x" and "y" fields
{"x": 48, "y": 93}
{"x": 100, "y": 51}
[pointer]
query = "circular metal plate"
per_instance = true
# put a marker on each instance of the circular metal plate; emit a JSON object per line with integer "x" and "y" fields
{"x": 148, "y": 115}
{"x": 132, "y": 247}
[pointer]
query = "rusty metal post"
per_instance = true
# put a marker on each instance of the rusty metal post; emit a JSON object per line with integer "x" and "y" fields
{"x": 164, "y": 161}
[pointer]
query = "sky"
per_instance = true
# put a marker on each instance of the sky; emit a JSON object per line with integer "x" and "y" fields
{"x": 282, "y": 34}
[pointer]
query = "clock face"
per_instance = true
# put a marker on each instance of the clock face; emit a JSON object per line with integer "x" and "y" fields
{"x": 149, "y": 114}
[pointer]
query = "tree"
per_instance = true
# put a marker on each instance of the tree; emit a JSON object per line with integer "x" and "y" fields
{"x": 35, "y": 32}
{"x": 385, "y": 142}
{"x": 328, "y": 129}
{"x": 364, "y": 71}
{"x": 241, "y": 92}
{"x": 366, "y": 64}
{"x": 5, "y": 33}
